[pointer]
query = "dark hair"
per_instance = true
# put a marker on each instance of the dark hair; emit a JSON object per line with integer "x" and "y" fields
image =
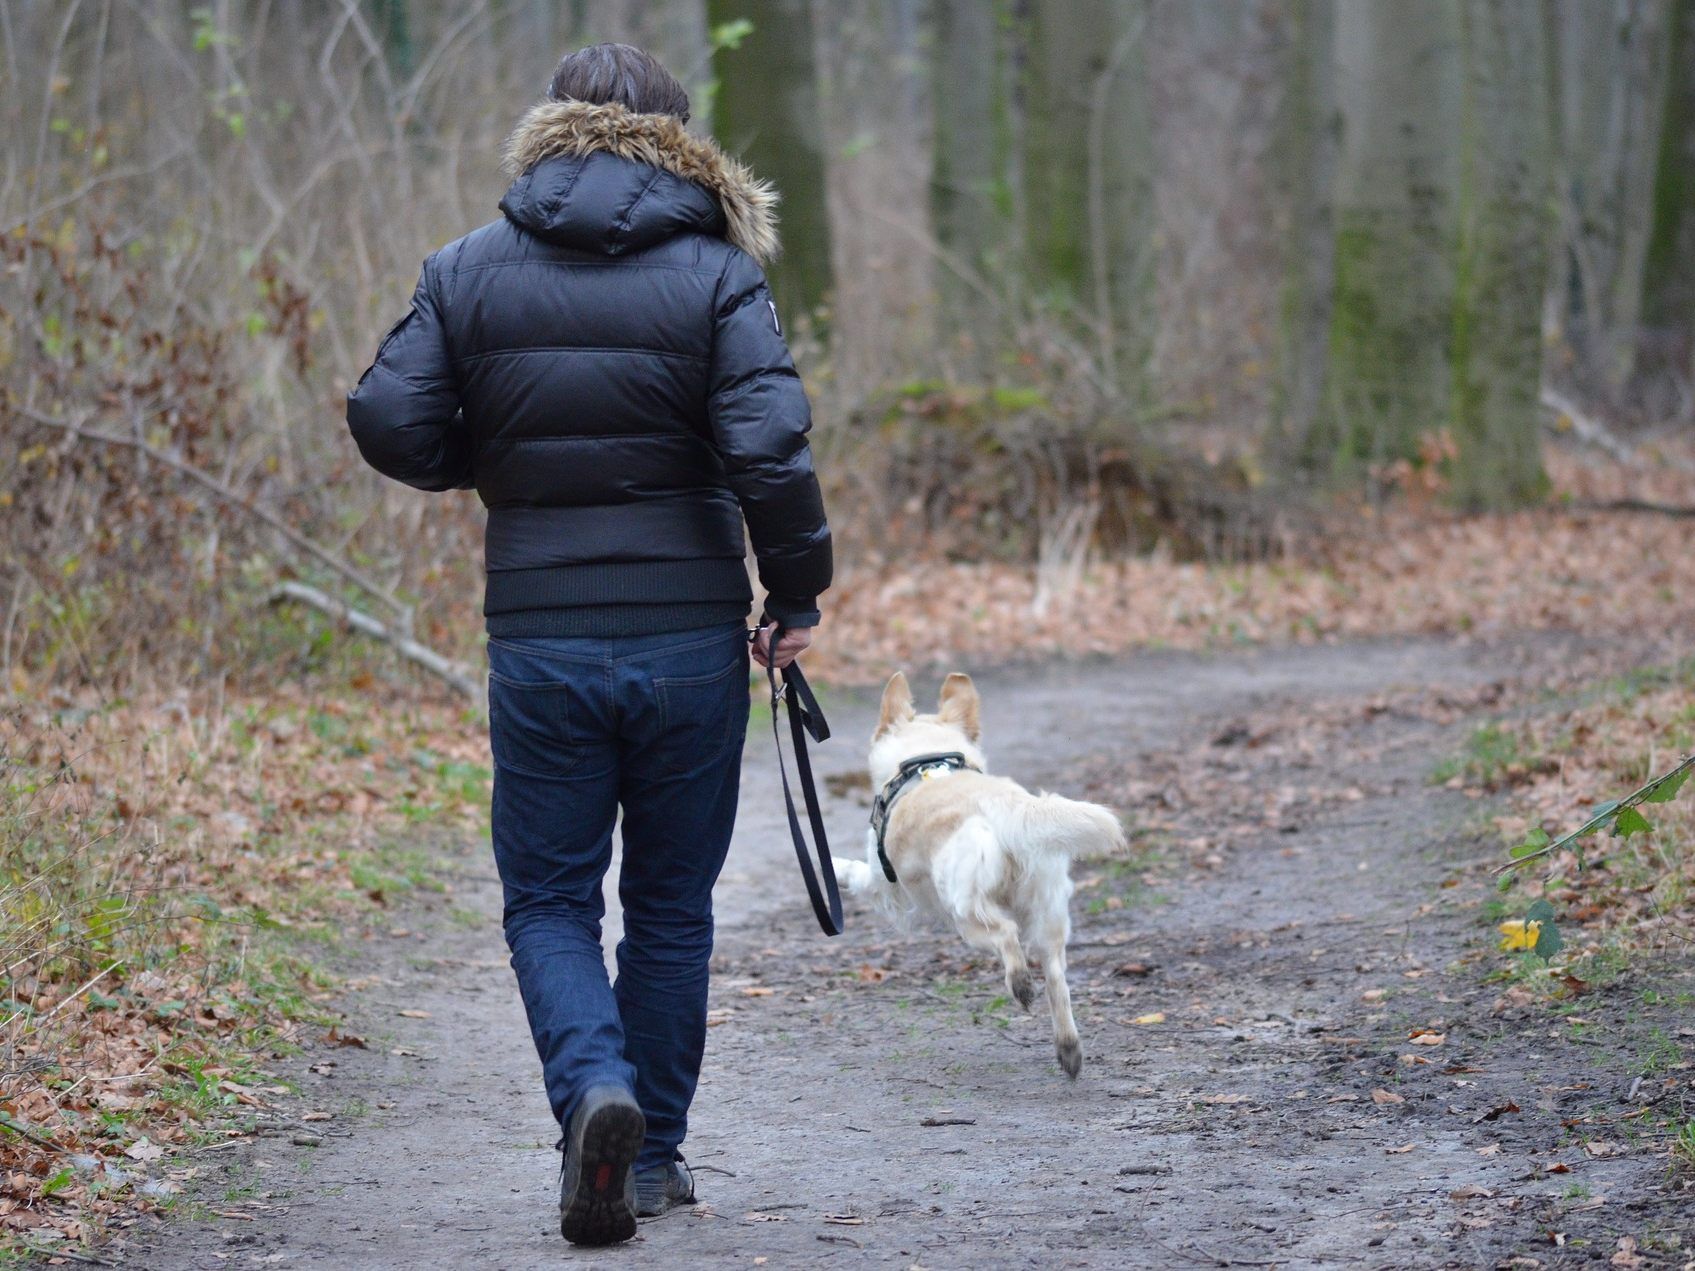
{"x": 619, "y": 73}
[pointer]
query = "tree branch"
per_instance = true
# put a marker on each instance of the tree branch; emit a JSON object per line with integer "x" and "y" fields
{"x": 165, "y": 459}
{"x": 460, "y": 676}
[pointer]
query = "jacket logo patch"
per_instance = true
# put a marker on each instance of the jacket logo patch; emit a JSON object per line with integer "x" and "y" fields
{"x": 777, "y": 326}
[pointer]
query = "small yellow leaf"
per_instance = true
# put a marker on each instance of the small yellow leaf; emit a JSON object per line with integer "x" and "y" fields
{"x": 1519, "y": 934}
{"x": 1427, "y": 1037}
{"x": 1157, "y": 1017}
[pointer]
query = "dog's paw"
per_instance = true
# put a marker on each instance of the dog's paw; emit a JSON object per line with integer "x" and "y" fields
{"x": 853, "y": 875}
{"x": 1023, "y": 987}
{"x": 1070, "y": 1057}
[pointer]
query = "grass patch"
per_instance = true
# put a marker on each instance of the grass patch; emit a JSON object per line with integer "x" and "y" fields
{"x": 1494, "y": 756}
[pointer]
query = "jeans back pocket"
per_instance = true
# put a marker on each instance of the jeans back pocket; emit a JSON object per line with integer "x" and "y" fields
{"x": 701, "y": 716}
{"x": 530, "y": 727}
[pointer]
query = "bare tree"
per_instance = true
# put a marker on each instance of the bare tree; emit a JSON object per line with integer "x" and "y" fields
{"x": 1502, "y": 253}
{"x": 1087, "y": 189}
{"x": 1611, "y": 57}
{"x": 1398, "y": 91}
{"x": 1665, "y": 347}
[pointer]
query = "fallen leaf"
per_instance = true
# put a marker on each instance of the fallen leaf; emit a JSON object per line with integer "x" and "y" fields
{"x": 1157, "y": 1017}
{"x": 142, "y": 1150}
{"x": 1519, "y": 934}
{"x": 757, "y": 1216}
{"x": 1133, "y": 968}
{"x": 336, "y": 1038}
{"x": 1385, "y": 1096}
{"x": 1558, "y": 1167}
{"x": 1426, "y": 1037}
{"x": 1489, "y": 1149}
{"x": 757, "y": 992}
{"x": 1396, "y": 1151}
{"x": 1470, "y": 1192}
{"x": 318, "y": 1116}
{"x": 415, "y": 1014}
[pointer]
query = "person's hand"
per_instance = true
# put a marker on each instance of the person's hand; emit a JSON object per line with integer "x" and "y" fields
{"x": 795, "y": 641}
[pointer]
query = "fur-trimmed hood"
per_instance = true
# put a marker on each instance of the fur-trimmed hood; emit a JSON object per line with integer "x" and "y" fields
{"x": 745, "y": 206}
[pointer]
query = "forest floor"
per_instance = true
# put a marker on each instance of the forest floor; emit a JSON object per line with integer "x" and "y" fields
{"x": 1303, "y": 1046}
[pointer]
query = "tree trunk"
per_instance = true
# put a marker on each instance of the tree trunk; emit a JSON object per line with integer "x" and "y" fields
{"x": 767, "y": 110}
{"x": 1502, "y": 259}
{"x": 877, "y": 134}
{"x": 1304, "y": 176}
{"x": 1087, "y": 150}
{"x": 1611, "y": 74}
{"x": 972, "y": 175}
{"x": 1397, "y": 88}
{"x": 971, "y": 192}
{"x": 1665, "y": 350}
{"x": 396, "y": 21}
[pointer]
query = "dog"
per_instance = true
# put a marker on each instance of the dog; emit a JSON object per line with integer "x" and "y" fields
{"x": 980, "y": 851}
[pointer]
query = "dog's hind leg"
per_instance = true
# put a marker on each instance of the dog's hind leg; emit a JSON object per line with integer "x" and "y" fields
{"x": 1053, "y": 929}
{"x": 1065, "y": 1041}
{"x": 968, "y": 870}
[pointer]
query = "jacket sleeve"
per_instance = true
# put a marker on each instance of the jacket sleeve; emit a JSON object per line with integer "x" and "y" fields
{"x": 404, "y": 412}
{"x": 760, "y": 418}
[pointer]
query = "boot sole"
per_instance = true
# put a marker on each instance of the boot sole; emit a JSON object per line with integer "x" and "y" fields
{"x": 599, "y": 1209}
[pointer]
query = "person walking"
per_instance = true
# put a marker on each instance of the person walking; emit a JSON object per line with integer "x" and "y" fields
{"x": 605, "y": 366}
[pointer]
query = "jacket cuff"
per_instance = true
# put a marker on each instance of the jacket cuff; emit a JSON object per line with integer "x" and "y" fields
{"x": 793, "y": 611}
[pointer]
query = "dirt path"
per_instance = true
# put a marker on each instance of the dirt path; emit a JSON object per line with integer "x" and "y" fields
{"x": 1290, "y": 926}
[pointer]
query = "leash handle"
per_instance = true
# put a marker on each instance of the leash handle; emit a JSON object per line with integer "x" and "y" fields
{"x": 805, "y": 719}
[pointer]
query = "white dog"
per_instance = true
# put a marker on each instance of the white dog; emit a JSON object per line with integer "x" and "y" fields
{"x": 981, "y": 851}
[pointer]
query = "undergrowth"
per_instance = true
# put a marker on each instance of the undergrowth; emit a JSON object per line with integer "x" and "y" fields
{"x": 169, "y": 879}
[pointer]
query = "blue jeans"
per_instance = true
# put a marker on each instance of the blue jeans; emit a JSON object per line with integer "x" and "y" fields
{"x": 581, "y": 727}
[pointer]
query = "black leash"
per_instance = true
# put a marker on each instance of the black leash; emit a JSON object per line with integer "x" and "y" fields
{"x": 805, "y": 719}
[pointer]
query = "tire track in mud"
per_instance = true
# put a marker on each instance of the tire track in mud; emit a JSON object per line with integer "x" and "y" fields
{"x": 1274, "y": 1109}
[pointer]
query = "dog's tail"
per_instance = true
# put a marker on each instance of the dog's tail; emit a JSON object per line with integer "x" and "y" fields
{"x": 1051, "y": 824}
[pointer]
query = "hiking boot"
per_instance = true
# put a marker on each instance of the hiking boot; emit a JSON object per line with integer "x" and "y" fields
{"x": 662, "y": 1188}
{"x": 597, "y": 1192}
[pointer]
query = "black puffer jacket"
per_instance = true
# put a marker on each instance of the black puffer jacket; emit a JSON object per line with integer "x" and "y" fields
{"x": 604, "y": 365}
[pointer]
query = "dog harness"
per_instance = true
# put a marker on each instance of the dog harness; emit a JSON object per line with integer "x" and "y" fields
{"x": 918, "y": 768}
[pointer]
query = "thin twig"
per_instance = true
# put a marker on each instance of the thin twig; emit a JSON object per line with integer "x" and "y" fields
{"x": 48, "y": 1251}
{"x": 1606, "y": 814}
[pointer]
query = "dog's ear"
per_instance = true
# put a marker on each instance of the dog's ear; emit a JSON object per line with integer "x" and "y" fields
{"x": 897, "y": 704}
{"x": 961, "y": 706}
